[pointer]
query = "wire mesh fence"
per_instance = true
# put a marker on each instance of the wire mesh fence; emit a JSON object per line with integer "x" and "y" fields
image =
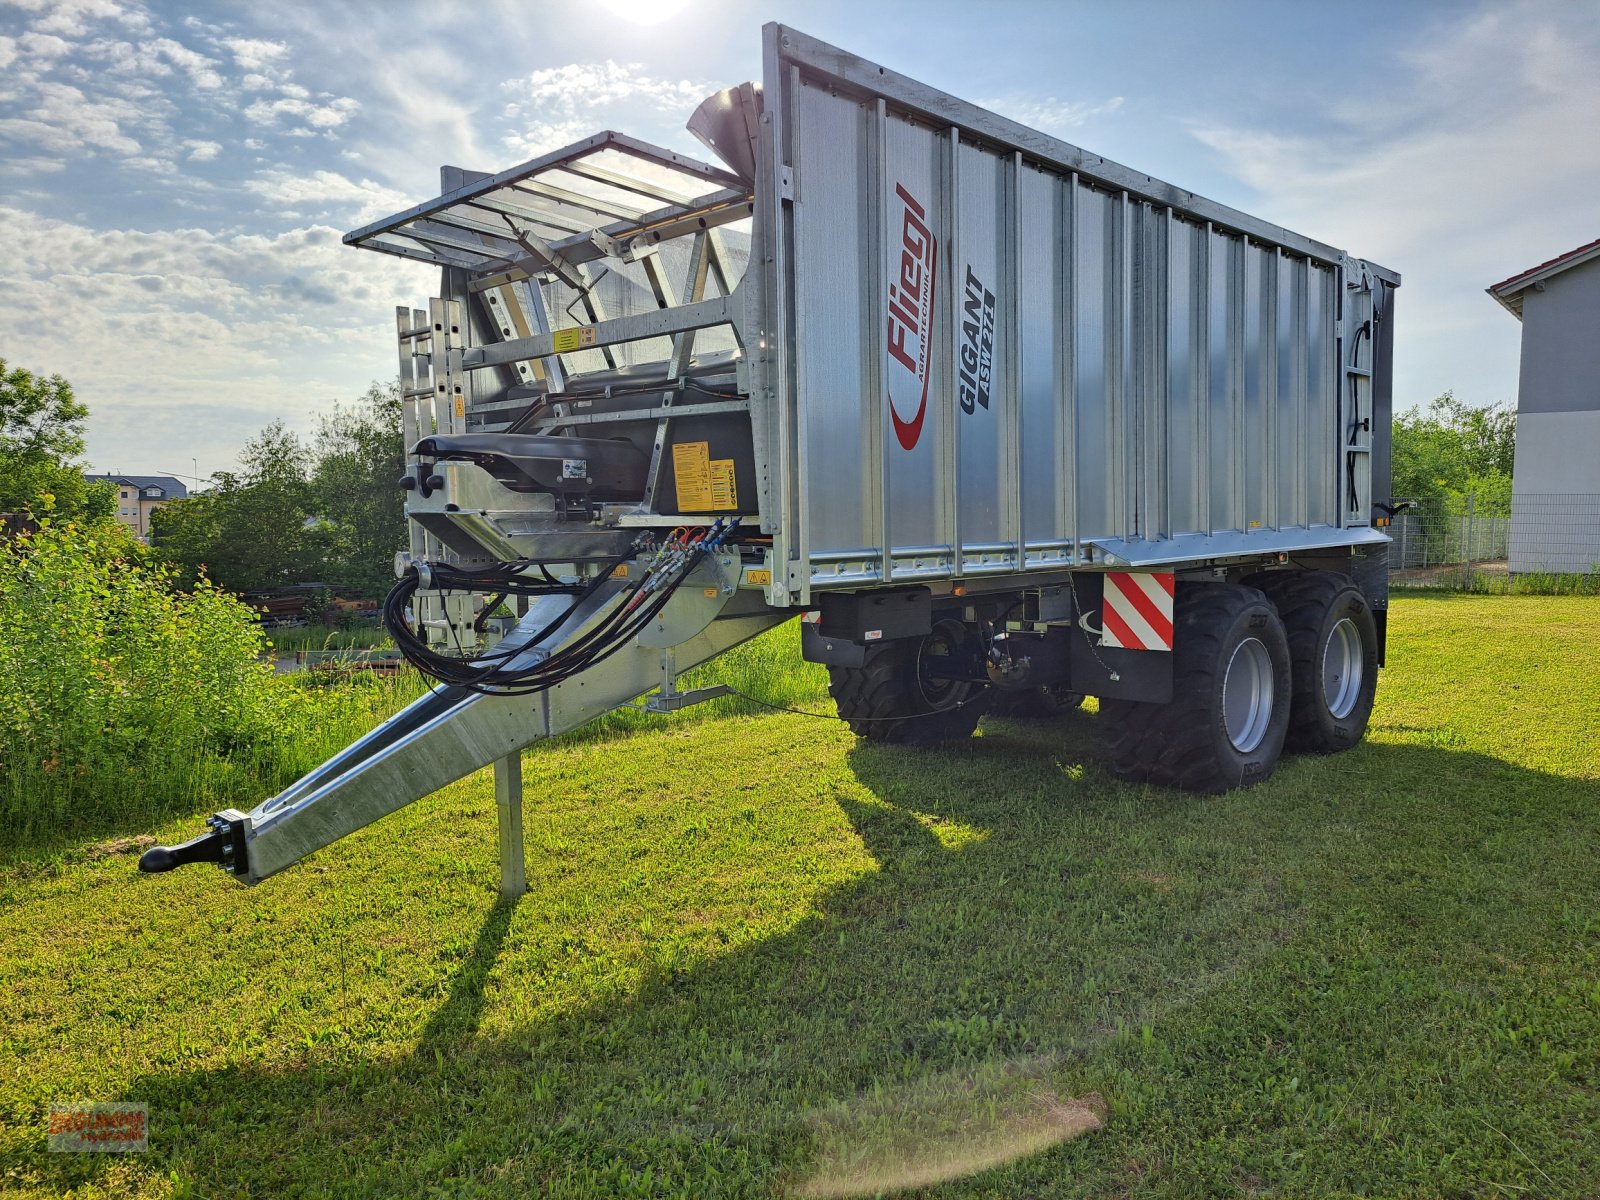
{"x": 1556, "y": 534}
{"x": 1544, "y": 535}
{"x": 1426, "y": 540}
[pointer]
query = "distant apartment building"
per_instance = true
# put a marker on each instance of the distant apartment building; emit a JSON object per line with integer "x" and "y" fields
{"x": 140, "y": 495}
{"x": 1555, "y": 500}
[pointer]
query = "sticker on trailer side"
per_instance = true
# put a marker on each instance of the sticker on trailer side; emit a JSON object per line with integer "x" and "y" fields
{"x": 565, "y": 341}
{"x": 724, "y": 488}
{"x": 1136, "y": 610}
{"x": 704, "y": 484}
{"x": 691, "y": 469}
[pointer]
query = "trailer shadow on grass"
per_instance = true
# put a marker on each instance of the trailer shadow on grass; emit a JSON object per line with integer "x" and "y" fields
{"x": 1034, "y": 938}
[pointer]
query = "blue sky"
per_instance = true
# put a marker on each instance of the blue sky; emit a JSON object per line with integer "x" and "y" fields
{"x": 174, "y": 178}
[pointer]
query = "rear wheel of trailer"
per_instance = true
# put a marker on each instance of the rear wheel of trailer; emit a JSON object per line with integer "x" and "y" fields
{"x": 1231, "y": 677}
{"x": 1333, "y": 654}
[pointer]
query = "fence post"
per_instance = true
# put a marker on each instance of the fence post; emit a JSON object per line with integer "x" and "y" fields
{"x": 1472, "y": 524}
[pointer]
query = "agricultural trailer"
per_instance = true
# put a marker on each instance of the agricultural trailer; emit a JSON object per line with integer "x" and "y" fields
{"x": 1009, "y": 424}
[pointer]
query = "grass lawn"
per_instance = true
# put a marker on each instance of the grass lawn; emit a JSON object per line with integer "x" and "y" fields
{"x": 757, "y": 957}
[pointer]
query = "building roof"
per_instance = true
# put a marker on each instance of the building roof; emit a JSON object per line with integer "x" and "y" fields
{"x": 171, "y": 489}
{"x": 1509, "y": 291}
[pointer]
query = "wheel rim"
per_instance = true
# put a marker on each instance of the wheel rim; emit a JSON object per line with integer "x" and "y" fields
{"x": 943, "y": 642}
{"x": 1247, "y": 694}
{"x": 1342, "y": 668}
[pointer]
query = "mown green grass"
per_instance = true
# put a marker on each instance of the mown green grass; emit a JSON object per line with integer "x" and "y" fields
{"x": 758, "y": 958}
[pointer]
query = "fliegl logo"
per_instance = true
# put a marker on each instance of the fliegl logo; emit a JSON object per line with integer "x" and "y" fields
{"x": 911, "y": 275}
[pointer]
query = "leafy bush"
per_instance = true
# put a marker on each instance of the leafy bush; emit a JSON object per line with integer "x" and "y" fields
{"x": 125, "y": 698}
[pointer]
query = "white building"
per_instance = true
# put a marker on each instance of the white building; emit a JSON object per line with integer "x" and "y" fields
{"x": 1555, "y": 500}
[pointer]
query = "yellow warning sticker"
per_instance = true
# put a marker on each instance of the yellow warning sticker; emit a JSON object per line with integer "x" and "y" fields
{"x": 724, "y": 492}
{"x": 565, "y": 341}
{"x": 691, "y": 466}
{"x": 756, "y": 577}
{"x": 461, "y": 405}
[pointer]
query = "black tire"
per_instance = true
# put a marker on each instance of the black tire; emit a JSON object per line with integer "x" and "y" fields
{"x": 1188, "y": 744}
{"x": 891, "y": 699}
{"x": 1333, "y": 657}
{"x": 1041, "y": 703}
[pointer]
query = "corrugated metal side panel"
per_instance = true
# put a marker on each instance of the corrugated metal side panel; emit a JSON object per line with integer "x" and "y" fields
{"x": 837, "y": 442}
{"x": 998, "y": 362}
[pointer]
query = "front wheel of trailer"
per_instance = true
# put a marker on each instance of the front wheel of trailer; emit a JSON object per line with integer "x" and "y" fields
{"x": 909, "y": 692}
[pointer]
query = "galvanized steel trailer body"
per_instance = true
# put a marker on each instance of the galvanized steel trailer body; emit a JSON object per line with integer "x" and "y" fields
{"x": 926, "y": 351}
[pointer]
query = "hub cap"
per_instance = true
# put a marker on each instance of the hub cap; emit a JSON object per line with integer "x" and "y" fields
{"x": 1247, "y": 694}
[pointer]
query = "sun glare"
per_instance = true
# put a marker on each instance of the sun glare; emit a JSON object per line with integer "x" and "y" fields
{"x": 645, "y": 12}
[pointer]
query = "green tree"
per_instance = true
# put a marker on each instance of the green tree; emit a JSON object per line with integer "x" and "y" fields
{"x": 41, "y": 439}
{"x": 355, "y": 483}
{"x": 254, "y": 530}
{"x": 1451, "y": 451}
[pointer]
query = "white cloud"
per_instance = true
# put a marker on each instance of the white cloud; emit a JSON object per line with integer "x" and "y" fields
{"x": 151, "y": 164}
{"x": 1050, "y": 114}
{"x": 102, "y": 94}
{"x": 1485, "y": 163}
{"x": 335, "y": 112}
{"x": 540, "y": 137}
{"x": 201, "y": 70}
{"x": 8, "y": 51}
{"x": 553, "y": 107}
{"x": 44, "y": 45}
{"x": 591, "y": 85}
{"x": 200, "y": 151}
{"x": 73, "y": 18}
{"x": 233, "y": 326}
{"x": 323, "y": 192}
{"x": 65, "y": 120}
{"x": 256, "y": 54}
{"x": 26, "y": 167}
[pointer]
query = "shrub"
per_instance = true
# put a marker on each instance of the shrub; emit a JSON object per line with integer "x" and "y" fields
{"x": 125, "y": 698}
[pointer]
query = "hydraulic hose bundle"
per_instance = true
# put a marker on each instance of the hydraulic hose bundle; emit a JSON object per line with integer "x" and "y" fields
{"x": 506, "y": 670}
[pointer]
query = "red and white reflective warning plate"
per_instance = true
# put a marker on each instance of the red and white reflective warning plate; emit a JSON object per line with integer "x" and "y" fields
{"x": 1137, "y": 612}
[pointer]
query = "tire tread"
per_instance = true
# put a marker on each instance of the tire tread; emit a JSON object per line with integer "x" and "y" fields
{"x": 1170, "y": 745}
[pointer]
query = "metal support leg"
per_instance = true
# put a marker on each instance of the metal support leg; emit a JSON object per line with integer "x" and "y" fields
{"x": 508, "y": 804}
